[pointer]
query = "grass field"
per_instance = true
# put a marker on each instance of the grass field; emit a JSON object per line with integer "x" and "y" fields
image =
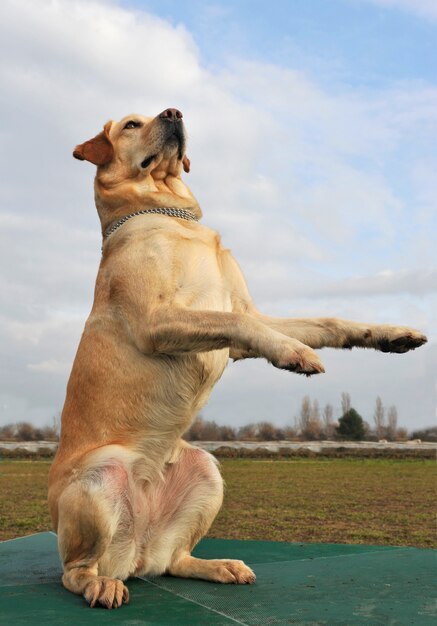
{"x": 304, "y": 500}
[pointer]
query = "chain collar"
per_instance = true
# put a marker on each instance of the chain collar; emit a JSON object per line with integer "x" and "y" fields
{"x": 183, "y": 214}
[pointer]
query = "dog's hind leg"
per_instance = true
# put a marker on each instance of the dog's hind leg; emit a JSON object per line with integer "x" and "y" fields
{"x": 87, "y": 524}
{"x": 186, "y": 504}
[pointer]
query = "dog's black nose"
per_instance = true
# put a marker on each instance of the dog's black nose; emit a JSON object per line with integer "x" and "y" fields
{"x": 173, "y": 115}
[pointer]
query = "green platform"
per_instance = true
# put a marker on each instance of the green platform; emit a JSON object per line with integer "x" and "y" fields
{"x": 307, "y": 584}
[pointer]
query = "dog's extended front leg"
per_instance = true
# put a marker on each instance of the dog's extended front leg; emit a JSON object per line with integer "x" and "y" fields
{"x": 336, "y": 333}
{"x": 181, "y": 331}
{"x": 318, "y": 332}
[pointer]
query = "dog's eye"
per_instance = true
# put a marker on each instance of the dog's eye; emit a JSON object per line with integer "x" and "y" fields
{"x": 131, "y": 124}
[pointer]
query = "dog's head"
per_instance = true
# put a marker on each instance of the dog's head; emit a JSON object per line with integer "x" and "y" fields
{"x": 142, "y": 145}
{"x": 139, "y": 162}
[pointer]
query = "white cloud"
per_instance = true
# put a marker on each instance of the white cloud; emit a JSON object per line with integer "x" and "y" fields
{"x": 363, "y": 373}
{"x": 297, "y": 180}
{"x": 415, "y": 282}
{"x": 421, "y": 8}
{"x": 51, "y": 366}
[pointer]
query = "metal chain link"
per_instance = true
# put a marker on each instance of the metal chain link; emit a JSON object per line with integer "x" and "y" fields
{"x": 183, "y": 214}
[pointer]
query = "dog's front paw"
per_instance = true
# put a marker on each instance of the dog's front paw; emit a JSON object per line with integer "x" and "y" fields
{"x": 301, "y": 361}
{"x": 399, "y": 339}
{"x": 108, "y": 592}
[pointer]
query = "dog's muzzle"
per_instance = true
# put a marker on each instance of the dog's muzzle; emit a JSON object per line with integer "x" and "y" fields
{"x": 171, "y": 120}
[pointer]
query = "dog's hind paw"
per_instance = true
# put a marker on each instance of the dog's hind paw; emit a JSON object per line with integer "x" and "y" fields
{"x": 232, "y": 571}
{"x": 108, "y": 592}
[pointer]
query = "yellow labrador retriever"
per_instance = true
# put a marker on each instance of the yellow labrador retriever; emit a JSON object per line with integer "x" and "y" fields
{"x": 127, "y": 495}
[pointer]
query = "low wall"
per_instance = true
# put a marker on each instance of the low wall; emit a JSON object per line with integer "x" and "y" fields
{"x": 270, "y": 446}
{"x": 316, "y": 446}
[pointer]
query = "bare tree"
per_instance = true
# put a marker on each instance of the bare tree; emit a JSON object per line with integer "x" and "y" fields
{"x": 379, "y": 419}
{"x": 211, "y": 432}
{"x": 8, "y": 431}
{"x": 266, "y": 431}
{"x": 247, "y": 432}
{"x": 279, "y": 433}
{"x": 194, "y": 433}
{"x": 392, "y": 423}
{"x": 345, "y": 403}
{"x": 56, "y": 425}
{"x": 328, "y": 422}
{"x": 38, "y": 434}
{"x": 227, "y": 433}
{"x": 309, "y": 423}
{"x": 202, "y": 430}
{"x": 25, "y": 431}
{"x": 290, "y": 433}
{"x": 401, "y": 434}
{"x": 305, "y": 410}
{"x": 316, "y": 423}
{"x": 315, "y": 410}
{"x": 304, "y": 419}
{"x": 50, "y": 433}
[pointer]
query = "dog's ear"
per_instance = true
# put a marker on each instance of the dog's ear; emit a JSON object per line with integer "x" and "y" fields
{"x": 97, "y": 150}
{"x": 186, "y": 163}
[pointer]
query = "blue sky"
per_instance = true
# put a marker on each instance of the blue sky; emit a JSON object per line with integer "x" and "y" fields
{"x": 354, "y": 47}
{"x": 312, "y": 131}
{"x": 348, "y": 46}
{"x": 345, "y": 43}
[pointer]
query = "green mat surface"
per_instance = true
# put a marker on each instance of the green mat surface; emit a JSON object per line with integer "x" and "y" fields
{"x": 307, "y": 584}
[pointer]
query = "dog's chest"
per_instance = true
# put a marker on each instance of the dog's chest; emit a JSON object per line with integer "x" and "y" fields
{"x": 182, "y": 268}
{"x": 198, "y": 278}
{"x": 201, "y": 286}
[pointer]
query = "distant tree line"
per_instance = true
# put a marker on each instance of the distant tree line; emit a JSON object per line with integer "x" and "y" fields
{"x": 314, "y": 424}
{"x": 203, "y": 430}
{"x": 25, "y": 431}
{"x": 311, "y": 424}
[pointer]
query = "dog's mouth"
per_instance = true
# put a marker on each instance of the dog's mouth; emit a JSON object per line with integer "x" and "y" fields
{"x": 176, "y": 140}
{"x": 170, "y": 142}
{"x": 173, "y": 142}
{"x": 147, "y": 161}
{"x": 174, "y": 137}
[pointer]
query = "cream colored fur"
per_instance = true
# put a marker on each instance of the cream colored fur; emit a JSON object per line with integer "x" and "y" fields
{"x": 127, "y": 495}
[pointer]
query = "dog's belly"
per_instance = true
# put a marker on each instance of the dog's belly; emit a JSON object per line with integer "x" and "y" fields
{"x": 147, "y": 517}
{"x": 114, "y": 389}
{"x": 206, "y": 369}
